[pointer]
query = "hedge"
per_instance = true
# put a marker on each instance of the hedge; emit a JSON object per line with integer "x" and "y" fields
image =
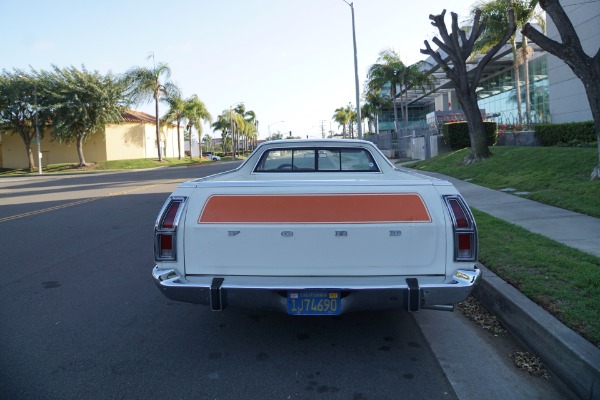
{"x": 569, "y": 134}
{"x": 456, "y": 134}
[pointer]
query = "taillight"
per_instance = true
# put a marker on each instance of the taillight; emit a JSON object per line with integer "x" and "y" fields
{"x": 463, "y": 227}
{"x": 459, "y": 214}
{"x": 165, "y": 229}
{"x": 169, "y": 217}
{"x": 165, "y": 248}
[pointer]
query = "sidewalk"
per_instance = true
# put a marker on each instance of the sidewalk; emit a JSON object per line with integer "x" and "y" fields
{"x": 575, "y": 361}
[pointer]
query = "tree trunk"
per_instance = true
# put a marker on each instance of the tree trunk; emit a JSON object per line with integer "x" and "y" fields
{"x": 517, "y": 80}
{"x": 27, "y": 141}
{"x": 394, "y": 107}
{"x": 157, "y": 128}
{"x": 526, "y": 78}
{"x": 479, "y": 147}
{"x": 401, "y": 111}
{"x": 179, "y": 141}
{"x": 406, "y": 109}
{"x": 80, "y": 151}
{"x": 592, "y": 89}
{"x": 30, "y": 156}
{"x": 395, "y": 117}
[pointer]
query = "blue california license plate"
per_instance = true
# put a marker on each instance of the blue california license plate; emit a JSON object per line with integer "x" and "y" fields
{"x": 314, "y": 302}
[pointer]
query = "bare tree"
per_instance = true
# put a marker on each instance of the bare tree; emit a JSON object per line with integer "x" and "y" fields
{"x": 458, "y": 47}
{"x": 570, "y": 51}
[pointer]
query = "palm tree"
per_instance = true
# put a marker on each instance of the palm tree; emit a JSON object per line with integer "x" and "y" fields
{"x": 413, "y": 77}
{"x": 247, "y": 125}
{"x": 222, "y": 124}
{"x": 176, "y": 113}
{"x": 146, "y": 84}
{"x": 374, "y": 103}
{"x": 195, "y": 112}
{"x": 342, "y": 117}
{"x": 244, "y": 123}
{"x": 251, "y": 132}
{"x": 387, "y": 71}
{"x": 207, "y": 142}
{"x": 497, "y": 13}
{"x": 369, "y": 112}
{"x": 352, "y": 120}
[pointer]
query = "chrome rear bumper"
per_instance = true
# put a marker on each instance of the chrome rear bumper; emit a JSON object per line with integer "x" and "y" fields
{"x": 358, "y": 293}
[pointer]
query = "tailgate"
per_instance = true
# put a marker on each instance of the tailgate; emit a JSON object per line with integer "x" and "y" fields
{"x": 268, "y": 232}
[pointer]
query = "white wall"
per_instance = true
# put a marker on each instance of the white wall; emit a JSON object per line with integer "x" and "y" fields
{"x": 568, "y": 101}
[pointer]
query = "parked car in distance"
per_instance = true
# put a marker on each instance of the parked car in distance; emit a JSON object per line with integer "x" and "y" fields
{"x": 212, "y": 156}
{"x": 316, "y": 227}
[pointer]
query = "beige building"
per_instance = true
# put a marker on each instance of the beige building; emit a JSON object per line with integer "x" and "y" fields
{"x": 133, "y": 139}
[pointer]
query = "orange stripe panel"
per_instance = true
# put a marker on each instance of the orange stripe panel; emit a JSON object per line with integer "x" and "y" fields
{"x": 328, "y": 208}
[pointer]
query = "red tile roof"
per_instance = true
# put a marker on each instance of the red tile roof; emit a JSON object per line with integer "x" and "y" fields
{"x": 138, "y": 117}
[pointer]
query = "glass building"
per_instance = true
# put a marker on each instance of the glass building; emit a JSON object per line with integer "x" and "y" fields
{"x": 498, "y": 96}
{"x": 496, "y": 93}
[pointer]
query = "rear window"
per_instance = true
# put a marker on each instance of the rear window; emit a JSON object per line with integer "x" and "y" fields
{"x": 317, "y": 160}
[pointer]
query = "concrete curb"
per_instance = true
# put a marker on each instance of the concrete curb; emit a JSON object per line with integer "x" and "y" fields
{"x": 572, "y": 359}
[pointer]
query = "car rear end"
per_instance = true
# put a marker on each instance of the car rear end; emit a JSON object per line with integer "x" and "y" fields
{"x": 317, "y": 247}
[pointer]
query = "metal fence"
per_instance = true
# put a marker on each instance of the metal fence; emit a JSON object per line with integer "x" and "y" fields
{"x": 415, "y": 143}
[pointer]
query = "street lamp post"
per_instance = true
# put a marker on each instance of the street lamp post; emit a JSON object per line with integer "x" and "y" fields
{"x": 269, "y": 128}
{"x": 358, "y": 116}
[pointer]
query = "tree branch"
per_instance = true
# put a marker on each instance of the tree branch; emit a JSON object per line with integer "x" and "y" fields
{"x": 477, "y": 29}
{"x": 551, "y": 46}
{"x": 570, "y": 49}
{"x": 565, "y": 28}
{"x": 436, "y": 56}
{"x": 487, "y": 58}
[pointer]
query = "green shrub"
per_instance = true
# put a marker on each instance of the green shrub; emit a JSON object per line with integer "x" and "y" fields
{"x": 456, "y": 134}
{"x": 568, "y": 134}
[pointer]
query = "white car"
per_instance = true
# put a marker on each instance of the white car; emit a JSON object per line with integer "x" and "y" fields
{"x": 316, "y": 227}
{"x": 213, "y": 157}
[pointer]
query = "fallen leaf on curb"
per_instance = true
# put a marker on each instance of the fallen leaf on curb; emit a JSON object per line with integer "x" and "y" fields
{"x": 529, "y": 363}
{"x": 476, "y": 312}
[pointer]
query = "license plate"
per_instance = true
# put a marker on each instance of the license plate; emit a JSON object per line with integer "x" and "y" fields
{"x": 314, "y": 302}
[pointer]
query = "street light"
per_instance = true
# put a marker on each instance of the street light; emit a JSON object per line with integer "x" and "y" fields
{"x": 356, "y": 73}
{"x": 269, "y": 128}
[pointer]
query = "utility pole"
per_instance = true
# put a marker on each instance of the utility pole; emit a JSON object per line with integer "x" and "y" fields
{"x": 323, "y": 128}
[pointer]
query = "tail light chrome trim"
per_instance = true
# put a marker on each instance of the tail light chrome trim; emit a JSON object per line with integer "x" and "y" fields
{"x": 463, "y": 227}
{"x": 165, "y": 229}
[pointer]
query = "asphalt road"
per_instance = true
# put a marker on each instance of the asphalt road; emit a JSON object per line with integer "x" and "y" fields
{"x": 80, "y": 317}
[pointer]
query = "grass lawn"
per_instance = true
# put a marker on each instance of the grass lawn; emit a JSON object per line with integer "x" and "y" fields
{"x": 564, "y": 281}
{"x": 114, "y": 165}
{"x": 559, "y": 176}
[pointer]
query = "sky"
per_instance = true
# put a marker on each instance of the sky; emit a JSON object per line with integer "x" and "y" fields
{"x": 289, "y": 61}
